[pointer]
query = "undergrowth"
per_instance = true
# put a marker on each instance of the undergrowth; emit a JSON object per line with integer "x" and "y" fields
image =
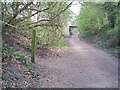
{"x": 60, "y": 44}
{"x": 102, "y": 42}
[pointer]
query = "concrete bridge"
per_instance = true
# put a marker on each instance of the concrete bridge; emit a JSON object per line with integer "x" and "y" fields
{"x": 69, "y": 28}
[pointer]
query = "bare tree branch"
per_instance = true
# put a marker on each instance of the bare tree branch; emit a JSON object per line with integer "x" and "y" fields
{"x": 62, "y": 11}
{"x": 38, "y": 11}
{"x": 20, "y": 11}
{"x": 47, "y": 19}
{"x": 38, "y": 25}
{"x": 38, "y": 21}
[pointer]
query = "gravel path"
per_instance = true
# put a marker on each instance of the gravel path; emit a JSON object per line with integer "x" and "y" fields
{"x": 84, "y": 67}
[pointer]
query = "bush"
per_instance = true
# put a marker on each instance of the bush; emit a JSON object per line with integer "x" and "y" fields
{"x": 113, "y": 36}
{"x": 60, "y": 44}
{"x": 7, "y": 53}
{"x": 91, "y": 19}
{"x": 98, "y": 22}
{"x": 21, "y": 56}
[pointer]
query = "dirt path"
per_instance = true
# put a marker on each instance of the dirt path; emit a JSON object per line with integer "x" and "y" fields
{"x": 84, "y": 67}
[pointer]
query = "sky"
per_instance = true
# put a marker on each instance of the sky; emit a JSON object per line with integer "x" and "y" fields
{"x": 75, "y": 7}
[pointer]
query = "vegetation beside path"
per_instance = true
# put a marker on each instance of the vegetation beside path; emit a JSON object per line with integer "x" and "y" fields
{"x": 34, "y": 31}
{"x": 31, "y": 30}
{"x": 99, "y": 24}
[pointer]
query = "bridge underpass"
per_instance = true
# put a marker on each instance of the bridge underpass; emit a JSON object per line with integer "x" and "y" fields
{"x": 71, "y": 28}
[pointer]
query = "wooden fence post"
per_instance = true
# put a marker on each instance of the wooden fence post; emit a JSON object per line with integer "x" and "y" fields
{"x": 33, "y": 46}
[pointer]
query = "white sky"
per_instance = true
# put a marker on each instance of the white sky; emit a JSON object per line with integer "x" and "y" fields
{"x": 75, "y": 7}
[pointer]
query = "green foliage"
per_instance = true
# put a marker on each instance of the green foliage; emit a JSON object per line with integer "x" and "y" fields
{"x": 22, "y": 56}
{"x": 60, "y": 44}
{"x": 42, "y": 36}
{"x": 103, "y": 44}
{"x": 51, "y": 19}
{"x": 113, "y": 35}
{"x": 7, "y": 53}
{"x": 64, "y": 47}
{"x": 45, "y": 29}
{"x": 91, "y": 19}
{"x": 27, "y": 69}
{"x": 117, "y": 51}
{"x": 75, "y": 31}
{"x": 99, "y": 22}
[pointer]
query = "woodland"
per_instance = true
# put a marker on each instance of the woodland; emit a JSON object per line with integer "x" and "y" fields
{"x": 31, "y": 29}
{"x": 35, "y": 30}
{"x": 101, "y": 22}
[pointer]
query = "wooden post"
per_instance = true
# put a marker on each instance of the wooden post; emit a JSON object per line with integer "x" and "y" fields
{"x": 33, "y": 46}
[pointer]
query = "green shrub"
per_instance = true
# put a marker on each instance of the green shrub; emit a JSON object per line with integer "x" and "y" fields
{"x": 113, "y": 36}
{"x": 103, "y": 44}
{"x": 91, "y": 19}
{"x": 22, "y": 57}
{"x": 60, "y": 44}
{"x": 7, "y": 53}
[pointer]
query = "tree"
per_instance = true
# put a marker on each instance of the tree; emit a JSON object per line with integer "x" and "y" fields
{"x": 91, "y": 18}
{"x": 31, "y": 18}
{"x": 100, "y": 21}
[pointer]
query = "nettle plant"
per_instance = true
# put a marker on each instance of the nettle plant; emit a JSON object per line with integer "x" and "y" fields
{"x": 21, "y": 56}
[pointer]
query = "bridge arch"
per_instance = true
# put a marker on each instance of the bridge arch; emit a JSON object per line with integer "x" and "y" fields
{"x": 71, "y": 28}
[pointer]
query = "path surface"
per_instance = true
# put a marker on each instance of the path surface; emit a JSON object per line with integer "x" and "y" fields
{"x": 84, "y": 67}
